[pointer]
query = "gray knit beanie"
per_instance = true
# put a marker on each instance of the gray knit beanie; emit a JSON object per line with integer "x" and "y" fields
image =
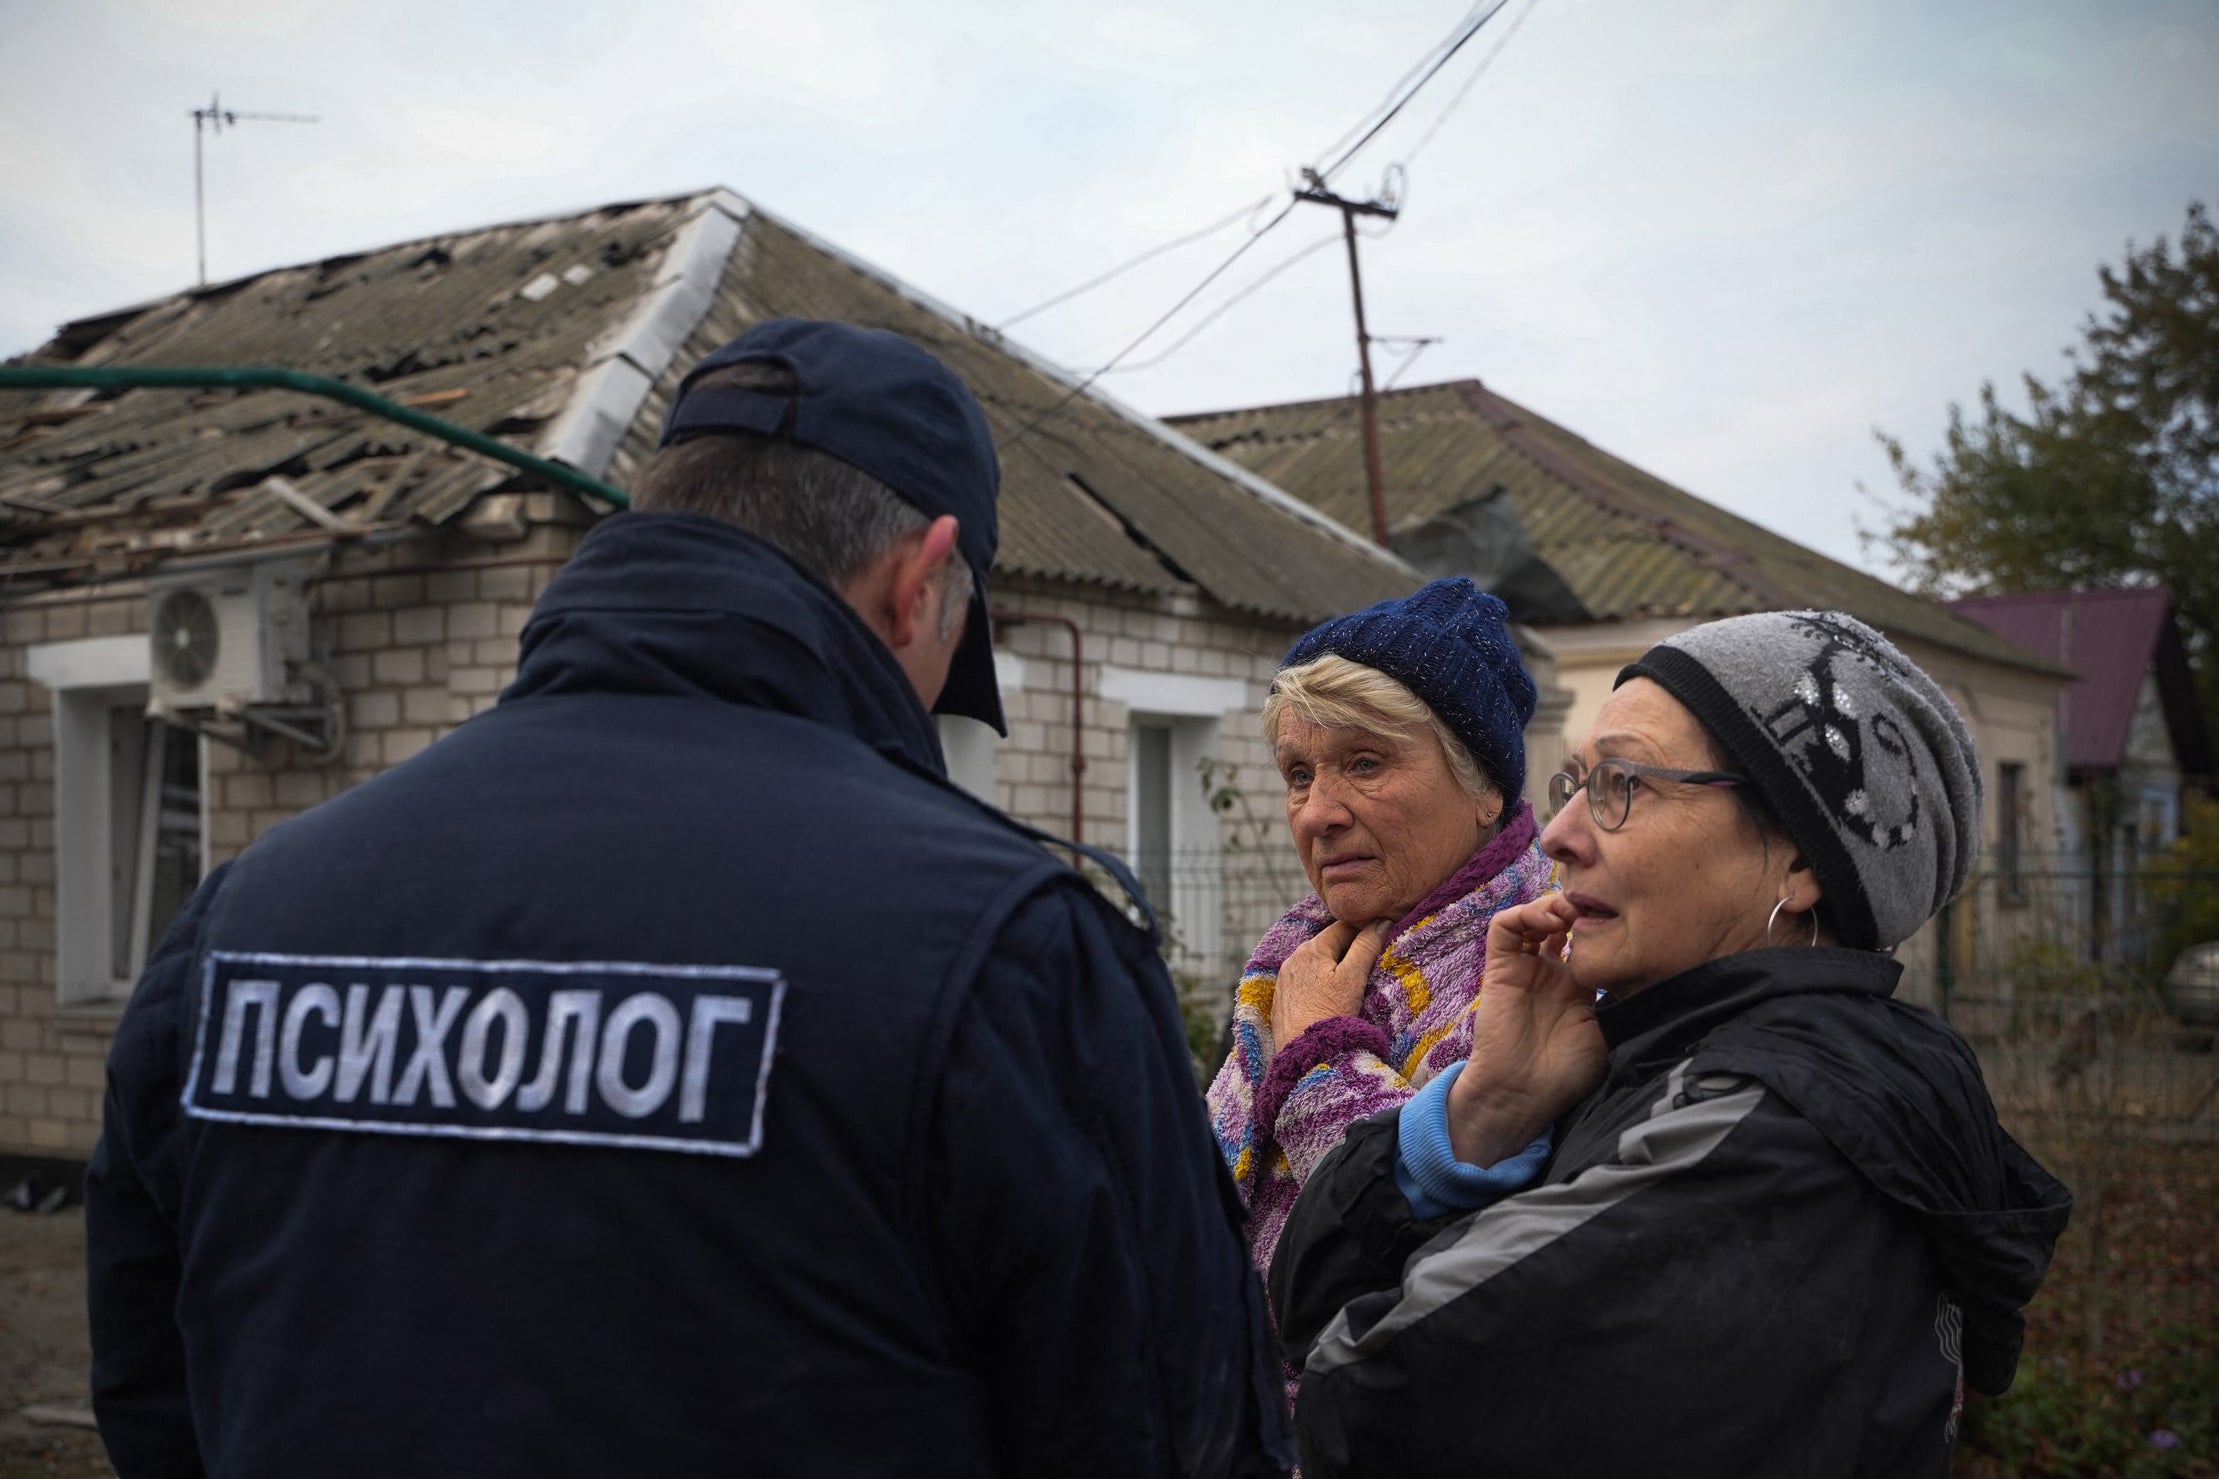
{"x": 1860, "y": 756}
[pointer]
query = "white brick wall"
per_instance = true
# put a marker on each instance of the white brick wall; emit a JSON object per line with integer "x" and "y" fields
{"x": 417, "y": 650}
{"x": 1260, "y": 876}
{"x": 414, "y": 652}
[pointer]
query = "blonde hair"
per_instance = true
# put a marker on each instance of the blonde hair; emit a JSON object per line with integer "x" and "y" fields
{"x": 1339, "y": 694}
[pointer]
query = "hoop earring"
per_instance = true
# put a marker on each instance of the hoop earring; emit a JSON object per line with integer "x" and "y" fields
{"x": 1774, "y": 918}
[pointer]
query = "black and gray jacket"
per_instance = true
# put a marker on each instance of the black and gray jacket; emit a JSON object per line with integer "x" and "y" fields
{"x": 1781, "y": 1239}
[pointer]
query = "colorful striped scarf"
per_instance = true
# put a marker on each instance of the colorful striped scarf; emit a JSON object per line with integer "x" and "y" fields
{"x": 1277, "y": 1113}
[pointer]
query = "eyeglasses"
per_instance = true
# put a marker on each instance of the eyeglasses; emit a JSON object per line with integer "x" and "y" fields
{"x": 1611, "y": 783}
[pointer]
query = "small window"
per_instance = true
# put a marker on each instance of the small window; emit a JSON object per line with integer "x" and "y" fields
{"x": 1152, "y": 845}
{"x": 129, "y": 823}
{"x": 1174, "y": 847}
{"x": 2011, "y": 830}
{"x": 154, "y": 857}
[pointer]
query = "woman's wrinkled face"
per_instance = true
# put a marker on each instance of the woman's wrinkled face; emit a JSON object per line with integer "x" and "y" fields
{"x": 1380, "y": 821}
{"x": 1688, "y": 878}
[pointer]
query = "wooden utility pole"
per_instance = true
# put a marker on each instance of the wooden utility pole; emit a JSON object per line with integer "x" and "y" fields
{"x": 1319, "y": 194}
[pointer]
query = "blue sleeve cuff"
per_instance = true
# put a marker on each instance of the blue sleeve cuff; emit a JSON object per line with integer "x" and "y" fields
{"x": 1427, "y": 1172}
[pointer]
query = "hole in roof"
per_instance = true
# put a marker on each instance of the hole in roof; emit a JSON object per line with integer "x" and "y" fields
{"x": 295, "y": 466}
{"x": 408, "y": 363}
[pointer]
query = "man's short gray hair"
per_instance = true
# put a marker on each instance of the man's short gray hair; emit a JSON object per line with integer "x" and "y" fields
{"x": 831, "y": 518}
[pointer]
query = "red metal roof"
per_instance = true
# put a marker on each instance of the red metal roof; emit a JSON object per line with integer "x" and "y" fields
{"x": 2113, "y": 639}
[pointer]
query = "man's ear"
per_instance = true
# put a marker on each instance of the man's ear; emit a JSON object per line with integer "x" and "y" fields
{"x": 911, "y": 600}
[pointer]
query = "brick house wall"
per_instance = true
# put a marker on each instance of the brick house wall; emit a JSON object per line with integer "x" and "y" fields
{"x": 51, "y": 1059}
{"x": 1246, "y": 874}
{"x": 418, "y": 637}
{"x": 417, "y": 645}
{"x": 421, "y": 635}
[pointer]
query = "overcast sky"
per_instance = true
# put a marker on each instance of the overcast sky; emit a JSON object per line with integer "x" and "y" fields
{"x": 1722, "y": 238}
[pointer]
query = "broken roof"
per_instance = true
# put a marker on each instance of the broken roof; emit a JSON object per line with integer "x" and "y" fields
{"x": 567, "y": 336}
{"x": 1596, "y": 539}
{"x": 2114, "y": 639}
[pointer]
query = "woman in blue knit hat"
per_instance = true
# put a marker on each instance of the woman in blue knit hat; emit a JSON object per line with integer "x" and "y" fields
{"x": 1400, "y": 734}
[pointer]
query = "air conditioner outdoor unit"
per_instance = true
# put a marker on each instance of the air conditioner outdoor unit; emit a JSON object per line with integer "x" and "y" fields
{"x": 227, "y": 638}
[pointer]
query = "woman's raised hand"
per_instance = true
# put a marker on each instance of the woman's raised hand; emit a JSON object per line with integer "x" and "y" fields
{"x": 1536, "y": 1047}
{"x": 1325, "y": 977}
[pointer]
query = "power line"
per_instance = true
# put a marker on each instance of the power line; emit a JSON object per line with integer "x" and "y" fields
{"x": 1148, "y": 256}
{"x": 1226, "y": 307}
{"x": 1479, "y": 17}
{"x": 1492, "y": 8}
{"x": 1148, "y": 333}
{"x": 1400, "y": 83}
{"x": 1466, "y": 90}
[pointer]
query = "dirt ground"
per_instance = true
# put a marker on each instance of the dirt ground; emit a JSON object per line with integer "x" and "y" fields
{"x": 44, "y": 1352}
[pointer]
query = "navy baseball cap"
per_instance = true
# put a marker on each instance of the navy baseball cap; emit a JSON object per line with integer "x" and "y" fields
{"x": 885, "y": 407}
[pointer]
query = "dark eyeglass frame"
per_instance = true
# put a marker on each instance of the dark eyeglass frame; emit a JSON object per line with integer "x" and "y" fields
{"x": 1563, "y": 784}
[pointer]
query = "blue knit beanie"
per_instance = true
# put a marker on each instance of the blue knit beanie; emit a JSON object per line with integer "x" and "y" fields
{"x": 1449, "y": 644}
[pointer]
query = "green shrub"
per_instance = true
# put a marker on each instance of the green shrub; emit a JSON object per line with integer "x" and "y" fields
{"x": 2156, "y": 1417}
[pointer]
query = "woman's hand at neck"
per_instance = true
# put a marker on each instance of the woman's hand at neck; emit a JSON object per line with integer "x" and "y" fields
{"x": 1325, "y": 977}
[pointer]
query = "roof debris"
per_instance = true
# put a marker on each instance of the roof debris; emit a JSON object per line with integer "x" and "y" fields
{"x": 579, "y": 361}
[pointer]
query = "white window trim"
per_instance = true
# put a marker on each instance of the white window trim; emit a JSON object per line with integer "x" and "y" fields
{"x": 1194, "y": 825}
{"x": 92, "y": 662}
{"x": 1180, "y": 695}
{"x": 1193, "y": 708}
{"x": 89, "y": 678}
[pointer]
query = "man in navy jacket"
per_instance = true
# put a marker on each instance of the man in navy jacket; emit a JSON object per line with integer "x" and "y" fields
{"x": 669, "y": 1071}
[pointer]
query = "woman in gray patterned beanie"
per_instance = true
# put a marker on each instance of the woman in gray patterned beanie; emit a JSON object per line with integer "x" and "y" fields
{"x": 1777, "y": 1224}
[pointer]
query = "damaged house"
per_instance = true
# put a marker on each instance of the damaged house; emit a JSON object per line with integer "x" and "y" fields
{"x": 220, "y": 607}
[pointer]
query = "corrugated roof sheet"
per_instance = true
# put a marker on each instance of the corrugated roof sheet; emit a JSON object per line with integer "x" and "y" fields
{"x": 1624, "y": 543}
{"x": 1089, "y": 492}
{"x": 507, "y": 316}
{"x": 488, "y": 329}
{"x": 2114, "y": 639}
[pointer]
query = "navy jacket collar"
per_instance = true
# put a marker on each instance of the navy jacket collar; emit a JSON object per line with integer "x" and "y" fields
{"x": 680, "y": 605}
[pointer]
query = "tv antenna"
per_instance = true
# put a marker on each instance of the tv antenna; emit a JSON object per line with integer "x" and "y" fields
{"x": 214, "y": 119}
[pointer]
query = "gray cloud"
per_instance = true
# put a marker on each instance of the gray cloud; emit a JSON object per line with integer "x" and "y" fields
{"x": 1723, "y": 238}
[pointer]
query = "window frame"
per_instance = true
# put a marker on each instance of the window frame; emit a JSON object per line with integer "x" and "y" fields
{"x": 2011, "y": 819}
{"x": 1193, "y": 903}
{"x": 91, "y": 679}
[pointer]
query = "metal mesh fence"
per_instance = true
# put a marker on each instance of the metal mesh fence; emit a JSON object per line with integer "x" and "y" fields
{"x": 2085, "y": 996}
